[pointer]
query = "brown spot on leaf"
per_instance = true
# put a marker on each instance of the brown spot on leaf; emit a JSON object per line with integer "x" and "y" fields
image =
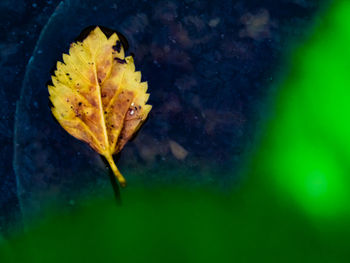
{"x": 121, "y": 61}
{"x": 117, "y": 46}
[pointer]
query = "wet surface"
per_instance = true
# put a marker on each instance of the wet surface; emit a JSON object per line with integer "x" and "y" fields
{"x": 209, "y": 67}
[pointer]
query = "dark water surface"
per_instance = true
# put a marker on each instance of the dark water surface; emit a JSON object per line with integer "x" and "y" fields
{"x": 209, "y": 66}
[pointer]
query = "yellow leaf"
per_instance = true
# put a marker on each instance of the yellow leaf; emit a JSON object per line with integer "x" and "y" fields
{"x": 98, "y": 97}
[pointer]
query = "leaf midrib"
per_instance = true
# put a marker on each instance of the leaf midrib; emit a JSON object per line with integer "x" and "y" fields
{"x": 103, "y": 120}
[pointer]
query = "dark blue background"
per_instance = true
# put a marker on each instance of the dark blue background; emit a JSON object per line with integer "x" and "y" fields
{"x": 209, "y": 65}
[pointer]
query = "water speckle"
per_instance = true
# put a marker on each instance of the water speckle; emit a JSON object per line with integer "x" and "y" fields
{"x": 214, "y": 22}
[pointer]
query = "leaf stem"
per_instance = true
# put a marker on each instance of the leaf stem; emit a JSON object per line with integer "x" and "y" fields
{"x": 115, "y": 170}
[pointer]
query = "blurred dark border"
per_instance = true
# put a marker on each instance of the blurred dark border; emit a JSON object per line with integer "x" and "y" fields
{"x": 21, "y": 22}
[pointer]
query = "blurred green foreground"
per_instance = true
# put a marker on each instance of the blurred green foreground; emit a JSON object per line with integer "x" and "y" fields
{"x": 293, "y": 205}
